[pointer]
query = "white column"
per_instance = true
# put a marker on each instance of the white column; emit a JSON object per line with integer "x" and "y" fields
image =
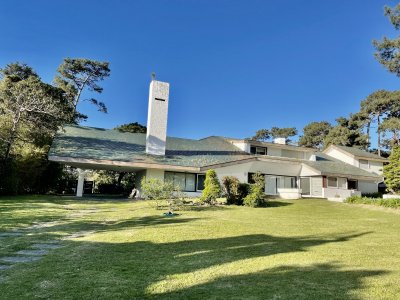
{"x": 81, "y": 179}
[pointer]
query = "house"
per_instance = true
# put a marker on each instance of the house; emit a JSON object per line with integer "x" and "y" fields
{"x": 290, "y": 171}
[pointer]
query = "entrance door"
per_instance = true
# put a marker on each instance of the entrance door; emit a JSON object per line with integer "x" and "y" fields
{"x": 305, "y": 186}
{"x": 270, "y": 185}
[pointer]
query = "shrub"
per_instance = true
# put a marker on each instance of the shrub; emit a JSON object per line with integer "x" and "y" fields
{"x": 212, "y": 188}
{"x": 392, "y": 203}
{"x": 156, "y": 189}
{"x": 256, "y": 198}
{"x": 372, "y": 195}
{"x": 391, "y": 171}
{"x": 231, "y": 189}
{"x": 243, "y": 191}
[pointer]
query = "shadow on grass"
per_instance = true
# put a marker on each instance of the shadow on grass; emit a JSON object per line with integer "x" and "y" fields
{"x": 195, "y": 269}
{"x": 276, "y": 203}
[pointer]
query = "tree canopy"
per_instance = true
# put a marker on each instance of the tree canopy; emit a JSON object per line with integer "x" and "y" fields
{"x": 314, "y": 134}
{"x": 132, "y": 128}
{"x": 76, "y": 74}
{"x": 346, "y": 133}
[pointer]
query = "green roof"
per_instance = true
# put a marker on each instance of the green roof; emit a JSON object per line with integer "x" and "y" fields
{"x": 106, "y": 144}
{"x": 360, "y": 153}
{"x": 329, "y": 165}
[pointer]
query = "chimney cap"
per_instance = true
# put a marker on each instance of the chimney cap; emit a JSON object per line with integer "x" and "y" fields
{"x": 153, "y": 76}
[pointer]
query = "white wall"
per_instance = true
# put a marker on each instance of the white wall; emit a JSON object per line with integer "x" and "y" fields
{"x": 242, "y": 146}
{"x": 337, "y": 194}
{"x": 374, "y": 166}
{"x": 367, "y": 187}
{"x": 308, "y": 171}
{"x": 342, "y": 156}
{"x": 275, "y": 168}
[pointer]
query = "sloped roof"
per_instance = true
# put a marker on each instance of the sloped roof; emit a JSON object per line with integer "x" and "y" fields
{"x": 106, "y": 144}
{"x": 359, "y": 153}
{"x": 328, "y": 165}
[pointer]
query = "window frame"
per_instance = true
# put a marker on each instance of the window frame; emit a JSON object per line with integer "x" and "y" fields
{"x": 185, "y": 188}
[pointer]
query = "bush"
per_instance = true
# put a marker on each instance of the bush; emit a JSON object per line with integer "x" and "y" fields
{"x": 372, "y": 195}
{"x": 231, "y": 189}
{"x": 156, "y": 189}
{"x": 243, "y": 191}
{"x": 392, "y": 203}
{"x": 256, "y": 198}
{"x": 212, "y": 188}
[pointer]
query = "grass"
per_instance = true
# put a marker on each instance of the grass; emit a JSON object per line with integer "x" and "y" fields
{"x": 298, "y": 249}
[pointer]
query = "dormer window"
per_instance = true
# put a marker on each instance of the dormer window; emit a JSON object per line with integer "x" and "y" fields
{"x": 258, "y": 150}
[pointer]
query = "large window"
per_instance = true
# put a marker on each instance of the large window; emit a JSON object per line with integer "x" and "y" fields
{"x": 185, "y": 181}
{"x": 258, "y": 150}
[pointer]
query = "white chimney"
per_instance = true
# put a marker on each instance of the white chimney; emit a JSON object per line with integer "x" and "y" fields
{"x": 280, "y": 140}
{"x": 157, "y": 118}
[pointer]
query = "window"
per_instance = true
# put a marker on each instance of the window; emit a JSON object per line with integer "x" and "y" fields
{"x": 332, "y": 182}
{"x": 185, "y": 181}
{"x": 258, "y": 150}
{"x": 364, "y": 164}
{"x": 200, "y": 181}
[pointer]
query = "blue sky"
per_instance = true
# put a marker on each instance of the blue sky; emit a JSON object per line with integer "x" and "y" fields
{"x": 234, "y": 66}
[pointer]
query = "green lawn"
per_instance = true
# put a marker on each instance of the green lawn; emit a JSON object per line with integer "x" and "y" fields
{"x": 301, "y": 249}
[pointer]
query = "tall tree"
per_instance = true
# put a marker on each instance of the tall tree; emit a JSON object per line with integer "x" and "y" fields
{"x": 17, "y": 71}
{"x": 388, "y": 50}
{"x": 132, "y": 128}
{"x": 76, "y": 74}
{"x": 391, "y": 126}
{"x": 262, "y": 135}
{"x": 375, "y": 107}
{"x": 346, "y": 133}
{"x": 314, "y": 134}
{"x": 29, "y": 107}
{"x": 284, "y": 132}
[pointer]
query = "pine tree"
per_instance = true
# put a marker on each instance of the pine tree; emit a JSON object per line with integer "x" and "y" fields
{"x": 392, "y": 171}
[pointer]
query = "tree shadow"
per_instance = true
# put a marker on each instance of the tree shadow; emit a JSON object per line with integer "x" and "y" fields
{"x": 276, "y": 203}
{"x": 318, "y": 281}
{"x": 145, "y": 269}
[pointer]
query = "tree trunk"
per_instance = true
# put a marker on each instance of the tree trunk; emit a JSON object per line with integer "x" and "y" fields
{"x": 368, "y": 135}
{"x": 379, "y": 136}
{"x": 12, "y": 135}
